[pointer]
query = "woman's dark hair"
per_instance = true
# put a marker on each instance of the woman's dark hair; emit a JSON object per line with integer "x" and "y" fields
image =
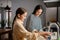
{"x": 19, "y": 11}
{"x": 37, "y": 8}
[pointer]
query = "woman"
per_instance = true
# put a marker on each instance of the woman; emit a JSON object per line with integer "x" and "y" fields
{"x": 34, "y": 21}
{"x": 19, "y": 32}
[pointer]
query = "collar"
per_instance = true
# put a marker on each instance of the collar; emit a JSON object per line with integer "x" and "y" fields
{"x": 19, "y": 21}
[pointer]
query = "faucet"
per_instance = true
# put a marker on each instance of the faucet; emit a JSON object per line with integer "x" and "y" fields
{"x": 56, "y": 27}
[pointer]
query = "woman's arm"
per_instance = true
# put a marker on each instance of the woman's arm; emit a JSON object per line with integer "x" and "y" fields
{"x": 30, "y": 23}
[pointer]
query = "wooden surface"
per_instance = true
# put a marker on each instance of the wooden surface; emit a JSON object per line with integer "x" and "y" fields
{"x": 6, "y": 31}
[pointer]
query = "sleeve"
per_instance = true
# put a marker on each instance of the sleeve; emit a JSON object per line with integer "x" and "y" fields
{"x": 29, "y": 23}
{"x": 24, "y": 33}
{"x": 22, "y": 30}
{"x": 40, "y": 25}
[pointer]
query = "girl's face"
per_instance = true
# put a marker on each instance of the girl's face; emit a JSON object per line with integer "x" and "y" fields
{"x": 23, "y": 16}
{"x": 38, "y": 12}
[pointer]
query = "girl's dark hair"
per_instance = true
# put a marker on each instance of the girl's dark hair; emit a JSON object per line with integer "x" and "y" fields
{"x": 19, "y": 11}
{"x": 37, "y": 8}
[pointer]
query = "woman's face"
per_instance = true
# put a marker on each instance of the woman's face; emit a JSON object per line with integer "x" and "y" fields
{"x": 23, "y": 16}
{"x": 38, "y": 12}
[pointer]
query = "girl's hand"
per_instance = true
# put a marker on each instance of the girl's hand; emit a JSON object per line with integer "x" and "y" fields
{"x": 45, "y": 34}
{"x": 35, "y": 31}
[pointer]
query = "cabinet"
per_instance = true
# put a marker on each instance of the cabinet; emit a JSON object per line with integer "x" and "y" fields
{"x": 53, "y": 8}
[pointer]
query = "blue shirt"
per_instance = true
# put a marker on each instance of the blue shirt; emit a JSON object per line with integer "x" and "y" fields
{"x": 33, "y": 22}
